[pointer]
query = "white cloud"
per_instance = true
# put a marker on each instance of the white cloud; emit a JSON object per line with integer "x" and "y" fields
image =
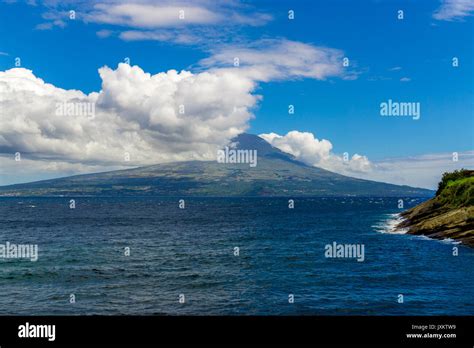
{"x": 135, "y": 112}
{"x": 104, "y": 33}
{"x": 267, "y": 60}
{"x": 148, "y": 15}
{"x": 203, "y": 20}
{"x": 312, "y": 151}
{"x": 405, "y": 79}
{"x": 50, "y": 25}
{"x": 170, "y": 13}
{"x": 454, "y": 10}
{"x": 182, "y": 22}
{"x": 179, "y": 37}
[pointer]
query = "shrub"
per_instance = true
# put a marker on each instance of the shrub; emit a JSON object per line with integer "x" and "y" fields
{"x": 456, "y": 175}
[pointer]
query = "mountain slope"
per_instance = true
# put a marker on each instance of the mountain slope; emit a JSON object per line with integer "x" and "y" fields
{"x": 276, "y": 174}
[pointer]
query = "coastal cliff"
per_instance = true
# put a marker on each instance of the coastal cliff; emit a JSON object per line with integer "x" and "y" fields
{"x": 450, "y": 214}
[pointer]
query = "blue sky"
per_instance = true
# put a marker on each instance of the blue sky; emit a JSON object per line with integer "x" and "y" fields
{"x": 383, "y": 52}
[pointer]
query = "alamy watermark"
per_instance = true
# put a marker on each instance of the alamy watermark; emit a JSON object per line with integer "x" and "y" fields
{"x": 392, "y": 108}
{"x": 228, "y": 155}
{"x": 76, "y": 109}
{"x": 28, "y": 330}
{"x": 336, "y": 250}
{"x": 19, "y": 251}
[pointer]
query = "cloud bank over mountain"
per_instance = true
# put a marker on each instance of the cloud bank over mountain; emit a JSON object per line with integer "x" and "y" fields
{"x": 140, "y": 118}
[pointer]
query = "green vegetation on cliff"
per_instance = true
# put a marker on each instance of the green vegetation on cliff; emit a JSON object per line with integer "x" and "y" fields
{"x": 450, "y": 214}
{"x": 456, "y": 189}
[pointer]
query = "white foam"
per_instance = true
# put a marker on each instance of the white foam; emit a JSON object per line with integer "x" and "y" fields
{"x": 444, "y": 241}
{"x": 450, "y": 241}
{"x": 390, "y": 225}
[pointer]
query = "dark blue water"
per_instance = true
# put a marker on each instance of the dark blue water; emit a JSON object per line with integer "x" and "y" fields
{"x": 191, "y": 252}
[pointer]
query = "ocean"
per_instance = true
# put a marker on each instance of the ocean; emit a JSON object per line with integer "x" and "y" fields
{"x": 226, "y": 256}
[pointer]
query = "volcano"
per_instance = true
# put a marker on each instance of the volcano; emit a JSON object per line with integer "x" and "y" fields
{"x": 277, "y": 174}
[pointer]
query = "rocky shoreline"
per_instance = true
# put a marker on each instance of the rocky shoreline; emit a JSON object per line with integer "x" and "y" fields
{"x": 450, "y": 214}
